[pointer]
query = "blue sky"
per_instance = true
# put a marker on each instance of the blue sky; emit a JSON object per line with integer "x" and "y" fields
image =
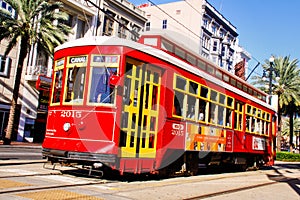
{"x": 265, "y": 27}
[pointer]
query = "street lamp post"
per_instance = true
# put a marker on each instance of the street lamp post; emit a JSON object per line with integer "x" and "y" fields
{"x": 271, "y": 69}
{"x": 271, "y": 60}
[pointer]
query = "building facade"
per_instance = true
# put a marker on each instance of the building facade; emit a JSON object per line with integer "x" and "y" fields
{"x": 7, "y": 74}
{"x": 210, "y": 33}
{"x": 87, "y": 18}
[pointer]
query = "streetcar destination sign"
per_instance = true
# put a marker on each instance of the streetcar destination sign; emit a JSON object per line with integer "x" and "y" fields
{"x": 81, "y": 59}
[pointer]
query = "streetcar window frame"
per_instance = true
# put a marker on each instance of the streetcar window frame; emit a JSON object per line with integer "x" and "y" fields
{"x": 79, "y": 66}
{"x": 165, "y": 45}
{"x": 238, "y": 116}
{"x": 57, "y": 87}
{"x": 179, "y": 52}
{"x": 199, "y": 103}
{"x": 226, "y": 78}
{"x": 110, "y": 64}
{"x": 219, "y": 74}
{"x": 257, "y": 121}
{"x": 191, "y": 59}
{"x": 201, "y": 65}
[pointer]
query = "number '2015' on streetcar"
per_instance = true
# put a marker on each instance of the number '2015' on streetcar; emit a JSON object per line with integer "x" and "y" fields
{"x": 158, "y": 108}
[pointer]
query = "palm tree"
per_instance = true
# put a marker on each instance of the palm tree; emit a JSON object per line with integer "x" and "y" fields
{"x": 287, "y": 88}
{"x": 35, "y": 23}
{"x": 286, "y": 127}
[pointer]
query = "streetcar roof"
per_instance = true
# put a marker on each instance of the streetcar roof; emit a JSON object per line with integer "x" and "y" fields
{"x": 116, "y": 41}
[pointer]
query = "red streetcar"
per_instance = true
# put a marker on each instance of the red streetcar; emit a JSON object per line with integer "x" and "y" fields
{"x": 152, "y": 107}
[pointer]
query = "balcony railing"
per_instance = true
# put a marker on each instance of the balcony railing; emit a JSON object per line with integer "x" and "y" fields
{"x": 132, "y": 7}
{"x": 33, "y": 72}
{"x": 82, "y": 4}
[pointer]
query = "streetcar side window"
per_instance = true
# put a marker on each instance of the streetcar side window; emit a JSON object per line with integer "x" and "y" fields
{"x": 180, "y": 83}
{"x": 238, "y": 116}
{"x": 257, "y": 120}
{"x": 213, "y": 109}
{"x": 57, "y": 88}
{"x": 202, "y": 110}
{"x": 178, "y": 103}
{"x": 229, "y": 111}
{"x": 191, "y": 103}
{"x": 58, "y": 79}
{"x": 75, "y": 79}
{"x": 75, "y": 84}
{"x": 196, "y": 102}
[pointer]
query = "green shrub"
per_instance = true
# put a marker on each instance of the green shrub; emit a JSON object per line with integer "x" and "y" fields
{"x": 287, "y": 156}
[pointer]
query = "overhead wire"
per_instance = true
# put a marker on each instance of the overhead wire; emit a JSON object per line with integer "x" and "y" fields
{"x": 154, "y": 4}
{"x": 174, "y": 19}
{"x": 113, "y": 19}
{"x": 258, "y": 62}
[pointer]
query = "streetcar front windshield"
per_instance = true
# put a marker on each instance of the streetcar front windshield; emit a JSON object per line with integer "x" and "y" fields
{"x": 103, "y": 67}
{"x": 100, "y": 90}
{"x": 72, "y": 85}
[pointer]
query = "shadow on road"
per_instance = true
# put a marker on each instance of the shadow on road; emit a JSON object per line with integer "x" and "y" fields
{"x": 279, "y": 177}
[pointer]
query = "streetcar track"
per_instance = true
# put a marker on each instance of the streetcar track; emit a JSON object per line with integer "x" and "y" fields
{"x": 21, "y": 163}
{"x": 29, "y": 175}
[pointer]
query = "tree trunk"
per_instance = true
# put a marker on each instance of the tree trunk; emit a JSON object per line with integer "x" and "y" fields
{"x": 278, "y": 136}
{"x": 12, "y": 113}
{"x": 291, "y": 128}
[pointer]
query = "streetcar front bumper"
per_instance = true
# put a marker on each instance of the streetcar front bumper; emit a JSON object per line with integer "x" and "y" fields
{"x": 61, "y": 156}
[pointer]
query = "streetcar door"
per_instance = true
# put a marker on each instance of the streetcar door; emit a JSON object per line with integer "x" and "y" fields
{"x": 139, "y": 123}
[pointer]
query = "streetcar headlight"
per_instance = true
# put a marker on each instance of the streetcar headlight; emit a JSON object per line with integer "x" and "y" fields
{"x": 67, "y": 126}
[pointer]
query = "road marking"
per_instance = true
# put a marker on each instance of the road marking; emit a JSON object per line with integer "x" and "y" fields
{"x": 4, "y": 184}
{"x": 57, "y": 194}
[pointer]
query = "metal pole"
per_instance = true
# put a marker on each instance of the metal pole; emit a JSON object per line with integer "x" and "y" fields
{"x": 270, "y": 81}
{"x": 271, "y": 60}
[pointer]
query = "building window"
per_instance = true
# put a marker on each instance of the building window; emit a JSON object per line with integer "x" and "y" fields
{"x": 7, "y": 7}
{"x": 147, "y": 26}
{"x": 68, "y": 21}
{"x": 108, "y": 27}
{"x": 178, "y": 12}
{"x": 135, "y": 33}
{"x": 5, "y": 66}
{"x": 80, "y": 29}
{"x": 215, "y": 46}
{"x": 205, "y": 42}
{"x": 221, "y": 34}
{"x": 223, "y": 50}
{"x": 122, "y": 28}
{"x": 164, "y": 25}
{"x": 215, "y": 60}
{"x": 214, "y": 29}
{"x": 205, "y": 23}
